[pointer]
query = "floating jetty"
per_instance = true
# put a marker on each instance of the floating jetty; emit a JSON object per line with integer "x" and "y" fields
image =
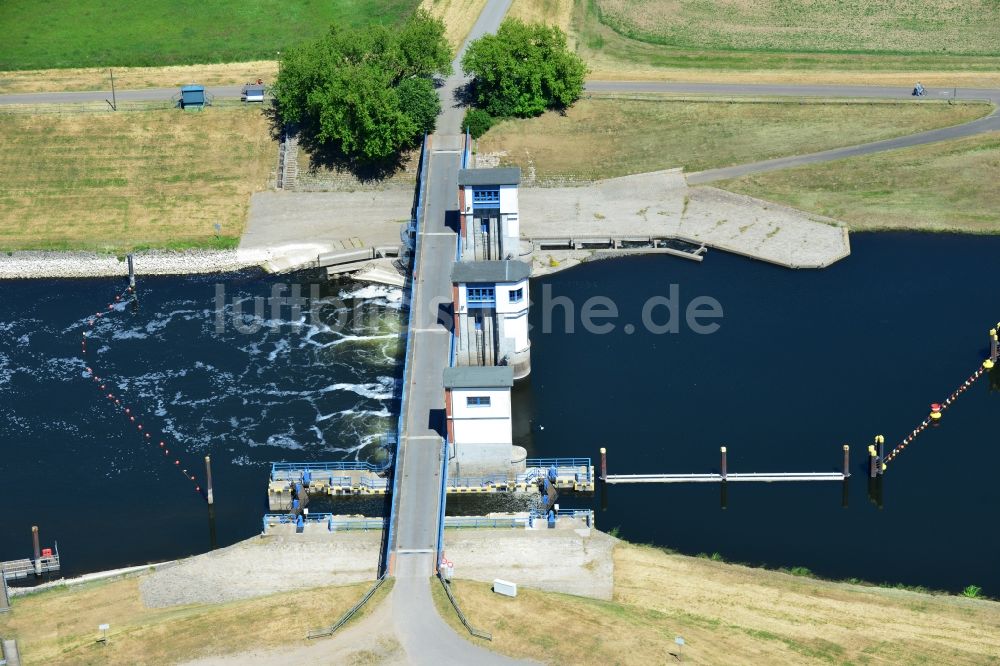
{"x": 335, "y": 480}
{"x": 46, "y": 560}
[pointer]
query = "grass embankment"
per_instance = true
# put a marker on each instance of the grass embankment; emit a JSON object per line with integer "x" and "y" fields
{"x": 59, "y": 626}
{"x": 88, "y": 33}
{"x": 606, "y": 137}
{"x": 131, "y": 180}
{"x": 949, "y": 186}
{"x": 728, "y": 614}
{"x": 739, "y": 42}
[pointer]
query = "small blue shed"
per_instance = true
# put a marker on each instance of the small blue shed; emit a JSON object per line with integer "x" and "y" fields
{"x": 192, "y": 97}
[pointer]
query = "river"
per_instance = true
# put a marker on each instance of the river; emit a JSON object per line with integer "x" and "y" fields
{"x": 802, "y": 362}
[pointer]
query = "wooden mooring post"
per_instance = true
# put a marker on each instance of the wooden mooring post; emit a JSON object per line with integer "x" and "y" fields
{"x": 994, "y": 349}
{"x": 722, "y": 450}
{"x": 847, "y": 461}
{"x": 37, "y": 549}
{"x": 604, "y": 464}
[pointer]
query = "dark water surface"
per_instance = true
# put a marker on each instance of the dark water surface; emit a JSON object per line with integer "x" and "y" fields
{"x": 803, "y": 363}
{"x": 74, "y": 465}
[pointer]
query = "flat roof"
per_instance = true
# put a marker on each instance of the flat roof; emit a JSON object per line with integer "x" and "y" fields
{"x": 505, "y": 176}
{"x": 500, "y": 376}
{"x": 508, "y": 270}
{"x": 193, "y": 88}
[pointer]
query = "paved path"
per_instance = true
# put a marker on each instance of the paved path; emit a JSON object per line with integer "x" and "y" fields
{"x": 990, "y": 123}
{"x": 423, "y": 634}
{"x": 142, "y": 95}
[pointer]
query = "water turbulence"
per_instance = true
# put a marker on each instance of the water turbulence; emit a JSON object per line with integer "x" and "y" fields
{"x": 225, "y": 366}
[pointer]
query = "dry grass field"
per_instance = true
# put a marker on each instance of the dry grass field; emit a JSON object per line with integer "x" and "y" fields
{"x": 128, "y": 78}
{"x": 729, "y": 614}
{"x": 948, "y": 186}
{"x": 131, "y": 180}
{"x": 458, "y": 16}
{"x": 60, "y": 626}
{"x": 968, "y": 27}
{"x": 606, "y": 137}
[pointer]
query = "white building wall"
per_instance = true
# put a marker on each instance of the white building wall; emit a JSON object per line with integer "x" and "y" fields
{"x": 508, "y": 199}
{"x": 504, "y": 306}
{"x": 482, "y": 425}
{"x": 499, "y": 403}
{"x": 483, "y": 431}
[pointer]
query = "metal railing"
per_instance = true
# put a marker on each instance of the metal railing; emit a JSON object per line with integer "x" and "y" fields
{"x": 475, "y": 522}
{"x": 418, "y": 215}
{"x": 478, "y": 633}
{"x": 318, "y": 633}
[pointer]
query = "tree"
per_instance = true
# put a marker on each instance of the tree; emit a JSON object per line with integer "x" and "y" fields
{"x": 366, "y": 93}
{"x": 523, "y": 70}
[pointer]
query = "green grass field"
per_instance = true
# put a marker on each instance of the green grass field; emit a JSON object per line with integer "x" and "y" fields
{"x": 853, "y": 26}
{"x": 606, "y": 137}
{"x": 89, "y": 33}
{"x": 941, "y": 186}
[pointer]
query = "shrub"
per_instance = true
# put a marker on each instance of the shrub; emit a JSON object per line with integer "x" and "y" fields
{"x": 478, "y": 122}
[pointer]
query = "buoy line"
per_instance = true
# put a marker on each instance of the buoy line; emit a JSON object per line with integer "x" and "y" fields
{"x": 133, "y": 416}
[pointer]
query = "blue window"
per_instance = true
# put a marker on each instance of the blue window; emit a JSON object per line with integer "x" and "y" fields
{"x": 516, "y": 295}
{"x": 477, "y": 401}
{"x": 481, "y": 295}
{"x": 480, "y": 197}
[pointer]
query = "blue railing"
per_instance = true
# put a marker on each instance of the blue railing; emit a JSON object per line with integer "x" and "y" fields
{"x": 293, "y": 467}
{"x": 333, "y": 524}
{"x": 418, "y": 215}
{"x": 558, "y": 462}
{"x": 476, "y": 480}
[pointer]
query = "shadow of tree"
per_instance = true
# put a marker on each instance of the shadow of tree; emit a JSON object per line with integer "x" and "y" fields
{"x": 323, "y": 156}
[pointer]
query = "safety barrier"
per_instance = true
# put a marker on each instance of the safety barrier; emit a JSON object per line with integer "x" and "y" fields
{"x": 938, "y": 409}
{"x": 461, "y": 616}
{"x": 319, "y": 633}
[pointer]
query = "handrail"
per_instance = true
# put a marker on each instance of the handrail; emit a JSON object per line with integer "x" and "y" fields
{"x": 417, "y": 219}
{"x": 318, "y": 633}
{"x": 461, "y": 616}
{"x": 558, "y": 462}
{"x": 327, "y": 466}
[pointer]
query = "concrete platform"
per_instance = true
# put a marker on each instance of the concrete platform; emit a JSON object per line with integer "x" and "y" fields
{"x": 575, "y": 561}
{"x": 290, "y": 230}
{"x": 660, "y": 204}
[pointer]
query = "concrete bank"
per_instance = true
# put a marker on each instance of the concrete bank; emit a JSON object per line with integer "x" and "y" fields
{"x": 661, "y": 205}
{"x": 36, "y": 265}
{"x": 570, "y": 561}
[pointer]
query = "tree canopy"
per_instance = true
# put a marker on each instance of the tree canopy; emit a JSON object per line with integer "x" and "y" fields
{"x": 366, "y": 93}
{"x": 523, "y": 70}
